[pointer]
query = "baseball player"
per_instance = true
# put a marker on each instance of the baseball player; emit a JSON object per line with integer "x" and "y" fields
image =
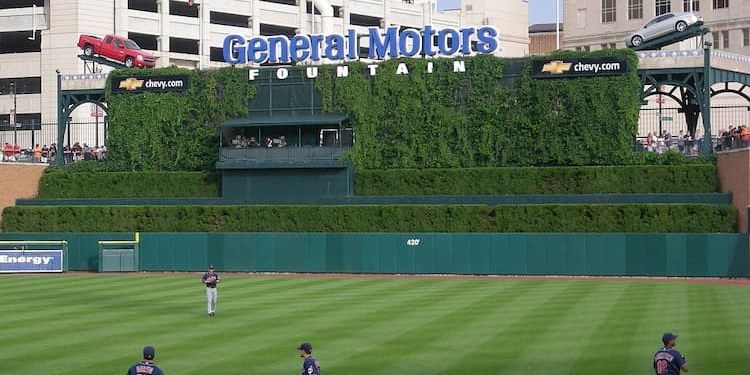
{"x": 211, "y": 279}
{"x": 147, "y": 366}
{"x": 310, "y": 366}
{"x": 668, "y": 361}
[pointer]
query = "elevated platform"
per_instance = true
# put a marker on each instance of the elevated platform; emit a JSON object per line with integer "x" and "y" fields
{"x": 666, "y": 61}
{"x": 672, "y": 38}
{"x": 102, "y": 61}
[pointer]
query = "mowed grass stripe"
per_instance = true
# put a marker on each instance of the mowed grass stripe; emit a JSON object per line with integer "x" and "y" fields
{"x": 154, "y": 313}
{"x": 333, "y": 316}
{"x": 533, "y": 326}
{"x": 710, "y": 337}
{"x": 607, "y": 344}
{"x": 460, "y": 327}
{"x": 567, "y": 339}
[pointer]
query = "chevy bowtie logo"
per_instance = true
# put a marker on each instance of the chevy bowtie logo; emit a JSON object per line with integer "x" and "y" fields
{"x": 131, "y": 84}
{"x": 556, "y": 67}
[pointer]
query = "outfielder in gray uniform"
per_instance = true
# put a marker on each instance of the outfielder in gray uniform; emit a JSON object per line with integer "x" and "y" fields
{"x": 211, "y": 279}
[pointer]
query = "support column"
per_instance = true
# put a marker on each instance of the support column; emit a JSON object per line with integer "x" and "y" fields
{"x": 62, "y": 119}
{"x": 706, "y": 101}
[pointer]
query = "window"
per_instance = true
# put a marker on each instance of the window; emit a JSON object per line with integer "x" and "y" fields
{"x": 18, "y": 42}
{"x": 745, "y": 37}
{"x": 720, "y": 4}
{"x": 725, "y": 39}
{"x": 181, "y": 8}
{"x": 587, "y": 48}
{"x": 361, "y": 20}
{"x": 715, "y": 37}
{"x": 310, "y": 8}
{"x": 217, "y": 54}
{"x": 10, "y": 4}
{"x": 364, "y": 52}
{"x": 613, "y": 45}
{"x": 145, "y": 41}
{"x": 32, "y": 121}
{"x": 180, "y": 45}
{"x": 228, "y": 19}
{"x": 635, "y": 9}
{"x": 337, "y": 12}
{"x": 686, "y": 5}
{"x": 609, "y": 11}
{"x": 143, "y": 5}
{"x": 663, "y": 6}
{"x": 271, "y": 30}
{"x": 287, "y": 2}
{"x": 25, "y": 85}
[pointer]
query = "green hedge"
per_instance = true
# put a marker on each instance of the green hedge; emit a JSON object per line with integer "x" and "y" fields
{"x": 544, "y": 180}
{"x": 485, "y": 116}
{"x": 518, "y": 218}
{"x": 128, "y": 185}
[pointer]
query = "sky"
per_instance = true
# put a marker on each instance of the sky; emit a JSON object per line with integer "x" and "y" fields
{"x": 540, "y": 11}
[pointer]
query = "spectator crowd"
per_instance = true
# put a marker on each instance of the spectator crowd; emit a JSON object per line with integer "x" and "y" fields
{"x": 47, "y": 154}
{"x": 686, "y": 143}
{"x": 240, "y": 141}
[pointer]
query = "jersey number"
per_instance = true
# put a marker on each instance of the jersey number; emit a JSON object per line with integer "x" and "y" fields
{"x": 661, "y": 367}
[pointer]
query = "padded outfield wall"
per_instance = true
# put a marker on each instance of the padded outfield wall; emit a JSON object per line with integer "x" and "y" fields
{"x": 595, "y": 254}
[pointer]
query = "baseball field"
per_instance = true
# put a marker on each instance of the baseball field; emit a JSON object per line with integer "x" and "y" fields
{"x": 98, "y": 324}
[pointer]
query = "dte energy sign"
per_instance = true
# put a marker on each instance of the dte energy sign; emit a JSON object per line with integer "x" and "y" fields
{"x": 29, "y": 261}
{"x": 339, "y": 47}
{"x": 592, "y": 67}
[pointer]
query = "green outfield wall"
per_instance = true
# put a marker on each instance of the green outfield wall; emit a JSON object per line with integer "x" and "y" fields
{"x": 600, "y": 254}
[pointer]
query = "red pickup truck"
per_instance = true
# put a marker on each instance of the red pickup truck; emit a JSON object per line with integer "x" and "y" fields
{"x": 116, "y": 48}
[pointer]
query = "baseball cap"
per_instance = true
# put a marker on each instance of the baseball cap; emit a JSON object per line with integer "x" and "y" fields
{"x": 149, "y": 352}
{"x": 667, "y": 337}
{"x": 306, "y": 346}
{"x": 210, "y": 266}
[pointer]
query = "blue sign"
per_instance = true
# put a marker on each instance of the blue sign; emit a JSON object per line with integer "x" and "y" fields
{"x": 393, "y": 43}
{"x": 31, "y": 261}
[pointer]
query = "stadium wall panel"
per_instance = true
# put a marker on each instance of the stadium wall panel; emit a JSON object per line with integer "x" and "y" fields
{"x": 594, "y": 254}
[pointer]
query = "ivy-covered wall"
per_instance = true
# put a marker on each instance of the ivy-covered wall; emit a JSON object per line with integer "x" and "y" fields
{"x": 174, "y": 131}
{"x": 443, "y": 119}
{"x": 446, "y": 120}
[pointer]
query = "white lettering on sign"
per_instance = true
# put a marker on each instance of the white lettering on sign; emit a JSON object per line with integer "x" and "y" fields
{"x": 25, "y": 259}
{"x": 413, "y": 242}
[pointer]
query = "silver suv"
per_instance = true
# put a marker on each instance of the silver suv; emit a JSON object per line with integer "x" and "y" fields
{"x": 663, "y": 25}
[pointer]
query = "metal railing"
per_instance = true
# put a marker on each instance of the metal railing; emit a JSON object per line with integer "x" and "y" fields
{"x": 280, "y": 154}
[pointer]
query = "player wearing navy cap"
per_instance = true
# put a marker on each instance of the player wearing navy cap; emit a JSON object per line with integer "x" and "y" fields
{"x": 211, "y": 279}
{"x": 147, "y": 366}
{"x": 668, "y": 361}
{"x": 310, "y": 366}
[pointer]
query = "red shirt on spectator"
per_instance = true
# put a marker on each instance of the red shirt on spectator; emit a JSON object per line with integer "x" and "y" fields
{"x": 8, "y": 150}
{"x": 17, "y": 149}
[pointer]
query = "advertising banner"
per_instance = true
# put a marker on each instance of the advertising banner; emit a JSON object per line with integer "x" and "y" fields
{"x": 592, "y": 67}
{"x": 31, "y": 261}
{"x": 154, "y": 84}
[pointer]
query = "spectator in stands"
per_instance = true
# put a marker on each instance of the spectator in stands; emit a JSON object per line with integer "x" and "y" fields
{"x": 282, "y": 141}
{"x": 67, "y": 154}
{"x": 45, "y": 154}
{"x": 16, "y": 152}
{"x": 269, "y": 142}
{"x": 745, "y": 136}
{"x": 76, "y": 150}
{"x": 7, "y": 152}
{"x": 667, "y": 139}
{"x": 253, "y": 142}
{"x": 88, "y": 152}
{"x": 650, "y": 142}
{"x": 688, "y": 143}
{"x": 36, "y": 154}
{"x": 237, "y": 141}
{"x": 52, "y": 151}
{"x": 681, "y": 142}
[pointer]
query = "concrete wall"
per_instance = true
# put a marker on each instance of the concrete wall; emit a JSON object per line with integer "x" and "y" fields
{"x": 734, "y": 177}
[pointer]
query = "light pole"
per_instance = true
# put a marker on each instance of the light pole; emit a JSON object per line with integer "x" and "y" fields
{"x": 557, "y": 23}
{"x": 15, "y": 108}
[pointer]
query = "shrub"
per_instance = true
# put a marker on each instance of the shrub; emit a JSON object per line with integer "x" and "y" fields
{"x": 699, "y": 218}
{"x": 55, "y": 184}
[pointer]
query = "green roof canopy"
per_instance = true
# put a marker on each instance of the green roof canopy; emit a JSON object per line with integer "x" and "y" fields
{"x": 287, "y": 120}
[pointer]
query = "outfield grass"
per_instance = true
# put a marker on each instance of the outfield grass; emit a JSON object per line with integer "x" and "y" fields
{"x": 90, "y": 324}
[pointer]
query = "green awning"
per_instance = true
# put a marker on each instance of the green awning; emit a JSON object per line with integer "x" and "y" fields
{"x": 287, "y": 120}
